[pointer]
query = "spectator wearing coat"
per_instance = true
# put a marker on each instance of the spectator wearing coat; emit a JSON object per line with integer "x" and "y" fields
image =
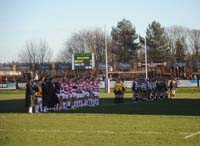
{"x": 45, "y": 99}
{"x": 30, "y": 95}
{"x": 53, "y": 99}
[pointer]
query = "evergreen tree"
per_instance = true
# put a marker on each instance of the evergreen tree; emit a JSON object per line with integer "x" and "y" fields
{"x": 180, "y": 49}
{"x": 124, "y": 41}
{"x": 157, "y": 43}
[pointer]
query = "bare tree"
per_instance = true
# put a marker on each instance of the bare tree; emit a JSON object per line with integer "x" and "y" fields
{"x": 75, "y": 44}
{"x": 35, "y": 53}
{"x": 44, "y": 53}
{"x": 176, "y": 32}
{"x": 95, "y": 41}
{"x": 85, "y": 41}
{"x": 194, "y": 37}
{"x": 28, "y": 55}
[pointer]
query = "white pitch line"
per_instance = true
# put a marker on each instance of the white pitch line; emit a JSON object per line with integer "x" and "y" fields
{"x": 94, "y": 131}
{"x": 192, "y": 134}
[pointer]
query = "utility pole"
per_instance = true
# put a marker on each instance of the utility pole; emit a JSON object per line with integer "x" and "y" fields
{"x": 107, "y": 81}
{"x": 106, "y": 53}
{"x": 146, "y": 63}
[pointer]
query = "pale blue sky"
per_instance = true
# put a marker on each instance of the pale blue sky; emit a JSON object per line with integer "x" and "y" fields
{"x": 55, "y": 20}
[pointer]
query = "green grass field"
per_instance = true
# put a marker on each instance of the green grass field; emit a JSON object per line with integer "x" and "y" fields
{"x": 173, "y": 122}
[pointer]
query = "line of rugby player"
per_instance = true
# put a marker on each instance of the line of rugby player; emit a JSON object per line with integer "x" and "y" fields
{"x": 149, "y": 90}
{"x": 65, "y": 95}
{"x": 78, "y": 94}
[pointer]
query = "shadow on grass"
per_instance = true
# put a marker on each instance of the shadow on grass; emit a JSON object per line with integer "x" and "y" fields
{"x": 182, "y": 107}
{"x": 12, "y": 106}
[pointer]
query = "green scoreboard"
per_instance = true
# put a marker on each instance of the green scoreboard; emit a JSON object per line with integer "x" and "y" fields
{"x": 83, "y": 61}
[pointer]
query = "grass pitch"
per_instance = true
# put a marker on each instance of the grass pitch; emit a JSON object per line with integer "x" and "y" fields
{"x": 157, "y": 123}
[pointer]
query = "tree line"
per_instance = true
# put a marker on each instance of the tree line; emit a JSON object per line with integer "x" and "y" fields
{"x": 124, "y": 45}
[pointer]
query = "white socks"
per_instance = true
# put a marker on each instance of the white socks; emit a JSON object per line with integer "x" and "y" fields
{"x": 30, "y": 110}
